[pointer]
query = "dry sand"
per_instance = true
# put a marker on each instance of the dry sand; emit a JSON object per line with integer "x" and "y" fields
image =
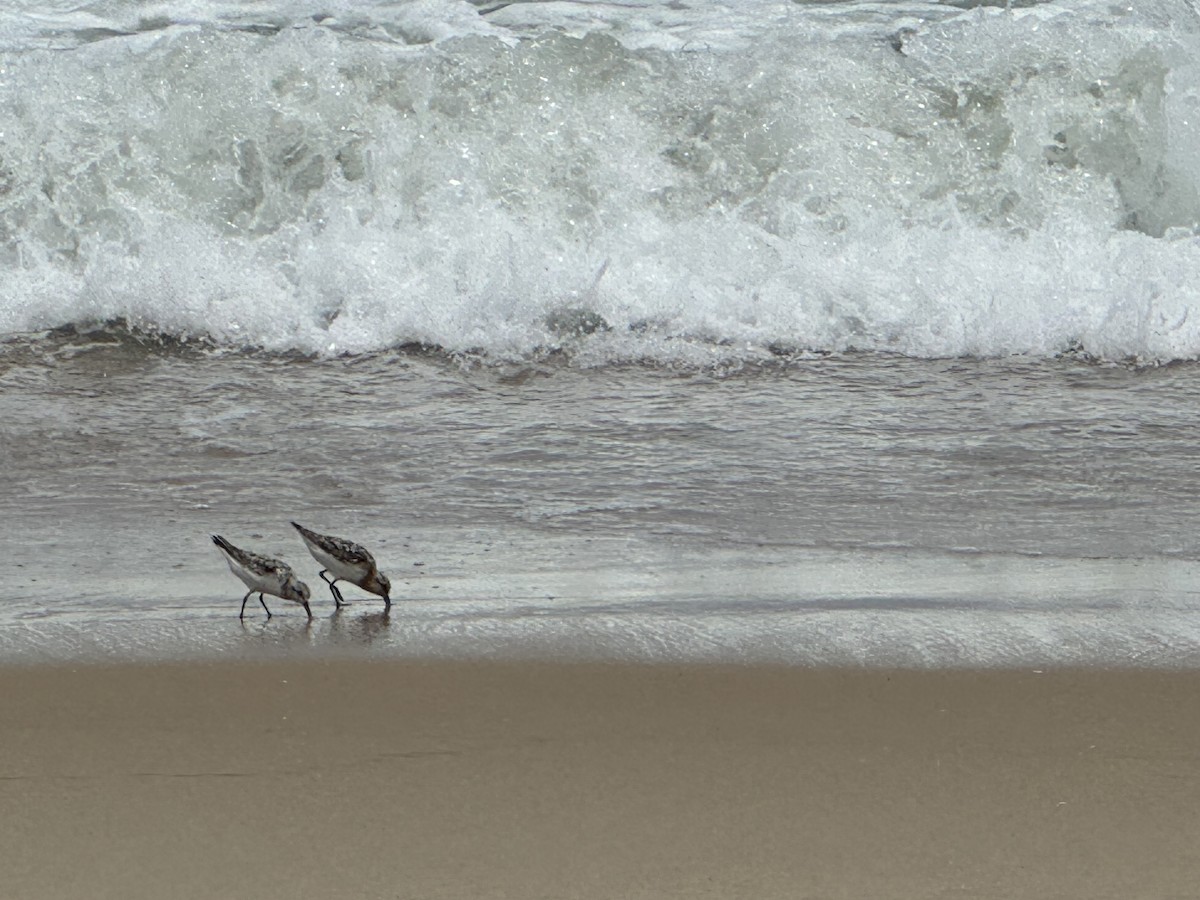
{"x": 400, "y": 780}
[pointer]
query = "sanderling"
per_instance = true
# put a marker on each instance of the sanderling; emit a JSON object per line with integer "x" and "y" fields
{"x": 347, "y": 561}
{"x": 264, "y": 576}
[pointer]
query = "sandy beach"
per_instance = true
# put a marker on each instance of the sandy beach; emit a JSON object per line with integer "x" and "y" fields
{"x": 403, "y": 780}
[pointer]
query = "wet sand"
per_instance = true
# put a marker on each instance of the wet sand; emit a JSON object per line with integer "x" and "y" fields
{"x": 404, "y": 780}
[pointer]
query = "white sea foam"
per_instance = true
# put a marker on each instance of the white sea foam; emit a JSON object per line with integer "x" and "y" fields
{"x": 714, "y": 180}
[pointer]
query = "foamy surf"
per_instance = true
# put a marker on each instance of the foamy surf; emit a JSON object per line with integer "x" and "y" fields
{"x": 725, "y": 181}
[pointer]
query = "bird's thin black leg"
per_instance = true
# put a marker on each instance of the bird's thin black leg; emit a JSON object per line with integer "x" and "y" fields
{"x": 264, "y": 603}
{"x": 242, "y": 614}
{"x": 337, "y": 595}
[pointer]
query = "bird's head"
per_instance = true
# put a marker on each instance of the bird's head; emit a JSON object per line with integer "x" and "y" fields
{"x": 296, "y": 590}
{"x": 377, "y": 583}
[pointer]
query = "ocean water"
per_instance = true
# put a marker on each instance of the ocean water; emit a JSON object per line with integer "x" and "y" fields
{"x": 806, "y": 332}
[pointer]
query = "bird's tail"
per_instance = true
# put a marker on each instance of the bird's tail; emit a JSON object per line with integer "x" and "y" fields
{"x": 224, "y": 544}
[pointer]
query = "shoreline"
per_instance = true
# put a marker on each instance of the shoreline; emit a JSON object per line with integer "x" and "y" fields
{"x": 541, "y": 780}
{"x": 565, "y": 599}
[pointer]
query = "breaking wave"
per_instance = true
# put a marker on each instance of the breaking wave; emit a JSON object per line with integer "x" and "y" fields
{"x": 654, "y": 184}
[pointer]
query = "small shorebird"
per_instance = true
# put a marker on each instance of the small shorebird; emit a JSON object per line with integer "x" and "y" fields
{"x": 263, "y": 576}
{"x": 347, "y": 561}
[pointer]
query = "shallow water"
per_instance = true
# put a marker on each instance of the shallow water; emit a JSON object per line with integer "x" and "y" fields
{"x": 853, "y": 509}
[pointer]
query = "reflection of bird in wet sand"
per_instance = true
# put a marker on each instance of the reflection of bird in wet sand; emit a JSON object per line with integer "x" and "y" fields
{"x": 346, "y": 561}
{"x": 263, "y": 575}
{"x": 364, "y": 629}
